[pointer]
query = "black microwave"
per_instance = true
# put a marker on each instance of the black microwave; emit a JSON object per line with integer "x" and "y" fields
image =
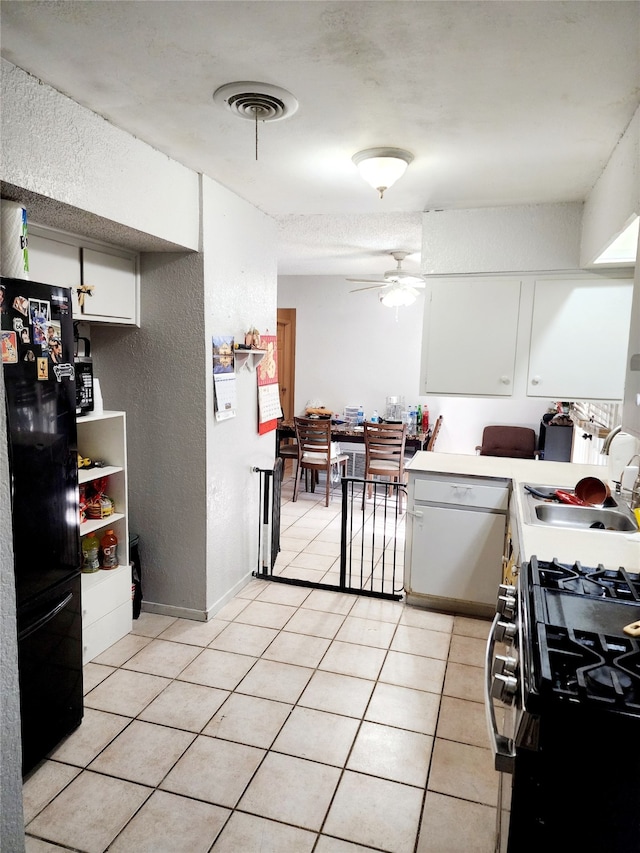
{"x": 84, "y": 385}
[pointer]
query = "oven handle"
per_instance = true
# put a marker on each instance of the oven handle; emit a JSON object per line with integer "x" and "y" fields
{"x": 502, "y": 747}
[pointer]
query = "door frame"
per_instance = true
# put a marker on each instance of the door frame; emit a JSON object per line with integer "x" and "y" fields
{"x": 287, "y": 360}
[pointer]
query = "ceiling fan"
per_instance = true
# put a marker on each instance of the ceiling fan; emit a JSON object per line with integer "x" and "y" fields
{"x": 398, "y": 287}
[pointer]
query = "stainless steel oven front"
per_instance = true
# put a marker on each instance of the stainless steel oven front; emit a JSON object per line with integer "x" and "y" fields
{"x": 562, "y": 698}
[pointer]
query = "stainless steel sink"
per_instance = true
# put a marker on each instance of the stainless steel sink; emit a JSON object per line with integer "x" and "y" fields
{"x": 614, "y": 516}
{"x": 597, "y": 518}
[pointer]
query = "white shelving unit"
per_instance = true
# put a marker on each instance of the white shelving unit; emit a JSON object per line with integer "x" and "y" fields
{"x": 106, "y": 594}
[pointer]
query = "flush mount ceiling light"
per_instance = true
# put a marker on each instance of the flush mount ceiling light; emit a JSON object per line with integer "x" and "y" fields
{"x": 381, "y": 167}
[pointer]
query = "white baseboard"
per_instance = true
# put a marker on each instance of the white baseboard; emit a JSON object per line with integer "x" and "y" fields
{"x": 197, "y": 615}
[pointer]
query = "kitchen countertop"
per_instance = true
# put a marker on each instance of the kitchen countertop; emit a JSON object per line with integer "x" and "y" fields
{"x": 590, "y": 547}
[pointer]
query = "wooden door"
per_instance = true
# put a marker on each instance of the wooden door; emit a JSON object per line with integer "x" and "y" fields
{"x": 287, "y": 360}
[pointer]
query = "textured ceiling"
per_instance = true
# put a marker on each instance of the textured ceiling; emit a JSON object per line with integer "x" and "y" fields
{"x": 500, "y": 102}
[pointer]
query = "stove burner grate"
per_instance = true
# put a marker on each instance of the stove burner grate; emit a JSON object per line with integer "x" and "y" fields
{"x": 596, "y": 583}
{"x": 584, "y": 665}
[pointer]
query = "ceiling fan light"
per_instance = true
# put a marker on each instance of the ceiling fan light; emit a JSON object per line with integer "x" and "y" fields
{"x": 397, "y": 296}
{"x": 382, "y": 167}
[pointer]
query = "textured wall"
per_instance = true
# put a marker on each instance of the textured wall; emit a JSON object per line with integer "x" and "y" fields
{"x": 156, "y": 374}
{"x": 501, "y": 239}
{"x": 56, "y": 148}
{"x": 365, "y": 354}
{"x": 239, "y": 247}
{"x": 11, "y": 822}
{"x": 349, "y": 348}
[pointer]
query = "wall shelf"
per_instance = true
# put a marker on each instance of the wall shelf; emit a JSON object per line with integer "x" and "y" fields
{"x": 248, "y": 358}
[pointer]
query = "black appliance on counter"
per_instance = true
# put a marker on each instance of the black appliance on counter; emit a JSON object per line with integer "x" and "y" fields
{"x": 555, "y": 442}
{"x": 84, "y": 377}
{"x": 565, "y": 692}
{"x": 40, "y": 398}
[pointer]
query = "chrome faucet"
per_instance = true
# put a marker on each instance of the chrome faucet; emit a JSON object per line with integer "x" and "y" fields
{"x": 607, "y": 442}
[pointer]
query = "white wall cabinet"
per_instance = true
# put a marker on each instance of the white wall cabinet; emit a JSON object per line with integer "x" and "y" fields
{"x": 579, "y": 338}
{"x": 114, "y": 292}
{"x": 53, "y": 261}
{"x": 470, "y": 335}
{"x": 110, "y": 275}
{"x": 106, "y": 594}
{"x": 455, "y": 541}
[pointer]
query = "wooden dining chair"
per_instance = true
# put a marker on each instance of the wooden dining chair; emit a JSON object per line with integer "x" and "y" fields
{"x": 317, "y": 453}
{"x": 384, "y": 453}
{"x": 434, "y": 433}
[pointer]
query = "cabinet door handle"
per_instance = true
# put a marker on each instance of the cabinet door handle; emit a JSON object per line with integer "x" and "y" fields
{"x": 506, "y": 380}
{"x": 536, "y": 380}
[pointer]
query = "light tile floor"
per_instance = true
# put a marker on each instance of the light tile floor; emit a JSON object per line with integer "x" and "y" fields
{"x": 297, "y": 720}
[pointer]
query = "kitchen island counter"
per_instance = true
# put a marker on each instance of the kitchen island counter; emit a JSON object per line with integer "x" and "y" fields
{"x": 590, "y": 547}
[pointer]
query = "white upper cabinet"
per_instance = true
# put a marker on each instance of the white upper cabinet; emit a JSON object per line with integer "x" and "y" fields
{"x": 579, "y": 338}
{"x": 54, "y": 262}
{"x": 470, "y": 335}
{"x": 103, "y": 279}
{"x": 112, "y": 282}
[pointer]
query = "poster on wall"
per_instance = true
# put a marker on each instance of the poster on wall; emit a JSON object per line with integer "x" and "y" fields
{"x": 224, "y": 378}
{"x": 268, "y": 392}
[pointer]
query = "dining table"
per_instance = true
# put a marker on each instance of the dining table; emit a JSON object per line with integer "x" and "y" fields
{"x": 348, "y": 434}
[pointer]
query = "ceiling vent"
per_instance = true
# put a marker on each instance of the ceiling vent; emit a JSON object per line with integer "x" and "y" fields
{"x": 256, "y": 101}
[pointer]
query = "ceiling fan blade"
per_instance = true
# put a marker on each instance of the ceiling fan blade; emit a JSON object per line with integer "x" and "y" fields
{"x": 373, "y": 287}
{"x": 367, "y": 280}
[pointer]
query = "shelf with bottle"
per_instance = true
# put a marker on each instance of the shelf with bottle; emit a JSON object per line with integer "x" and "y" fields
{"x": 102, "y": 437}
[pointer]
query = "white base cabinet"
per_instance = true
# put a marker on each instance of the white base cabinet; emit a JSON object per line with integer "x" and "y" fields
{"x": 107, "y": 609}
{"x": 455, "y": 542}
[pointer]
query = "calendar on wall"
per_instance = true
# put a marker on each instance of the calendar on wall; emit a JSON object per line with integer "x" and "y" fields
{"x": 224, "y": 378}
{"x": 268, "y": 389}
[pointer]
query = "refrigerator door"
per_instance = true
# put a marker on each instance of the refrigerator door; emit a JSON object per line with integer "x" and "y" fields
{"x": 37, "y": 355}
{"x": 50, "y": 670}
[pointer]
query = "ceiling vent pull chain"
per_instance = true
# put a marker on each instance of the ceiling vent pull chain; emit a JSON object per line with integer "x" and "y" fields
{"x": 255, "y": 112}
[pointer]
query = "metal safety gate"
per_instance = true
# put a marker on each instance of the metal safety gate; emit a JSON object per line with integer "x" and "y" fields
{"x": 371, "y": 539}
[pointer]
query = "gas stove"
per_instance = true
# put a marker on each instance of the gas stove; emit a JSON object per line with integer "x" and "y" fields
{"x": 568, "y": 683}
{"x": 581, "y": 643}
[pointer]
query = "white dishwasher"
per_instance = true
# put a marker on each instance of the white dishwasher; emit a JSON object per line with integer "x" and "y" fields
{"x": 455, "y": 541}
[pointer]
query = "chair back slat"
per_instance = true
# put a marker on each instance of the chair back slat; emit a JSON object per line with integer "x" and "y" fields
{"x": 316, "y": 452}
{"x": 314, "y": 435}
{"x": 436, "y": 429}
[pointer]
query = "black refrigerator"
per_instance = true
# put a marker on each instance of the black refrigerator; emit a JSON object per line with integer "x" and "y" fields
{"x": 40, "y": 397}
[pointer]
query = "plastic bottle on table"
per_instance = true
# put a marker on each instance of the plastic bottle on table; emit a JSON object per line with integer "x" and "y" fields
{"x": 425, "y": 419}
{"x": 375, "y": 417}
{"x": 419, "y": 418}
{"x": 108, "y": 548}
{"x": 360, "y": 415}
{"x": 90, "y": 553}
